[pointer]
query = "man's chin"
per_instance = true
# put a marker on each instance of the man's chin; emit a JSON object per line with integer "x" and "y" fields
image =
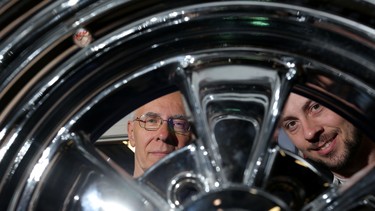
{"x": 333, "y": 163}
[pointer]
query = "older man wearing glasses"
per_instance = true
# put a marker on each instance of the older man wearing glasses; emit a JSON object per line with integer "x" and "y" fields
{"x": 157, "y": 129}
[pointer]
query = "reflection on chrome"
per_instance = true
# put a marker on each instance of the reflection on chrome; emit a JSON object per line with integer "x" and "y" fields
{"x": 184, "y": 186}
{"x": 40, "y": 166}
{"x": 236, "y": 63}
{"x": 93, "y": 201}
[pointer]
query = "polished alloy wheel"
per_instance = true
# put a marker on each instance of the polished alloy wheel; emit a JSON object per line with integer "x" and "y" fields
{"x": 71, "y": 69}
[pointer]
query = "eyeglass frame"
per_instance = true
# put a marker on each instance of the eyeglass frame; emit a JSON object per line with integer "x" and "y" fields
{"x": 169, "y": 121}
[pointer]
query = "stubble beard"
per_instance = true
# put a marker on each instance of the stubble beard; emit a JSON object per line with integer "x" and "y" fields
{"x": 337, "y": 161}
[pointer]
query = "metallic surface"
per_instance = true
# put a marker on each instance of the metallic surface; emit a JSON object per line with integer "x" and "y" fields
{"x": 236, "y": 63}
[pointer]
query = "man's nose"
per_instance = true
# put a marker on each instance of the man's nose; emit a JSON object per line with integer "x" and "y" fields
{"x": 312, "y": 131}
{"x": 164, "y": 132}
{"x": 166, "y": 135}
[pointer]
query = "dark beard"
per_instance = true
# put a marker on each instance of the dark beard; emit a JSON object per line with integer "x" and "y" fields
{"x": 343, "y": 161}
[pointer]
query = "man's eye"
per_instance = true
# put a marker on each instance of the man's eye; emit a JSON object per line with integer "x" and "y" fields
{"x": 316, "y": 107}
{"x": 290, "y": 126}
{"x": 179, "y": 123}
{"x": 151, "y": 120}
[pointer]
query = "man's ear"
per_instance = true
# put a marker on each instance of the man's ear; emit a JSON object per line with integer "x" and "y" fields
{"x": 131, "y": 133}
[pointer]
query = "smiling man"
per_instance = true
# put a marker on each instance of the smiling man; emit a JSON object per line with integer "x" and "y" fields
{"x": 325, "y": 137}
{"x": 157, "y": 129}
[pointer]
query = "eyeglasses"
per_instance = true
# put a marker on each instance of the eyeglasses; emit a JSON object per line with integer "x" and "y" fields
{"x": 152, "y": 122}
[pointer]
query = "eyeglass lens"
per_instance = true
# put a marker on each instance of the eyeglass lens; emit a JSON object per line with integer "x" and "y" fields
{"x": 153, "y": 122}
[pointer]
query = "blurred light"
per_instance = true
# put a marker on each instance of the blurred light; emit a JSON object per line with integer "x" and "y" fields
{"x": 253, "y": 191}
{"x": 2, "y": 133}
{"x": 173, "y": 14}
{"x": 301, "y": 163}
{"x": 217, "y": 202}
{"x": 282, "y": 153}
{"x": 40, "y": 166}
{"x": 94, "y": 201}
{"x": 259, "y": 23}
{"x": 291, "y": 64}
{"x": 5, "y": 148}
{"x": 53, "y": 81}
{"x": 69, "y": 3}
{"x": 127, "y": 143}
{"x": 61, "y": 131}
{"x": 291, "y": 73}
{"x": 191, "y": 148}
{"x": 187, "y": 60}
{"x": 275, "y": 209}
{"x": 98, "y": 47}
{"x": 326, "y": 184}
{"x": 275, "y": 110}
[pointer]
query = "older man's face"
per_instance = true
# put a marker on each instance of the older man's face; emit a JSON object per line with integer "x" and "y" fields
{"x": 151, "y": 146}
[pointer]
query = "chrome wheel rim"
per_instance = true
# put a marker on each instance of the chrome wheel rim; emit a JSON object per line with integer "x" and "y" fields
{"x": 56, "y": 94}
